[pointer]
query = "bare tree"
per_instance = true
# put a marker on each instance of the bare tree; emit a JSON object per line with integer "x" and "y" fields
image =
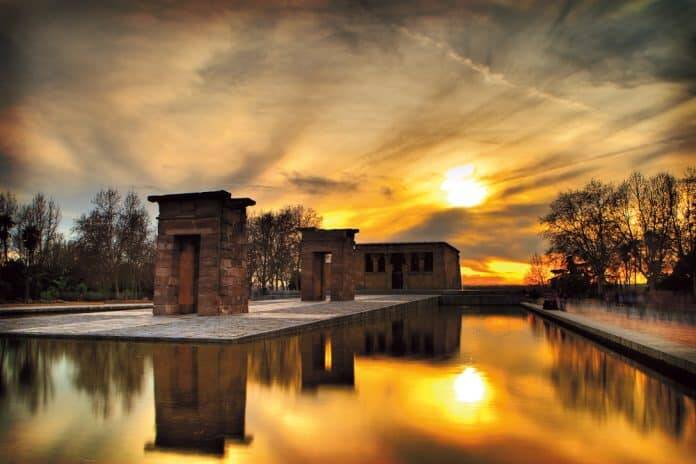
{"x": 98, "y": 237}
{"x": 44, "y": 215}
{"x": 628, "y": 238}
{"x": 655, "y": 205}
{"x": 35, "y": 234}
{"x": 274, "y": 246}
{"x": 134, "y": 237}
{"x": 538, "y": 271}
{"x": 302, "y": 217}
{"x": 685, "y": 223}
{"x": 8, "y": 211}
{"x": 582, "y": 224}
{"x": 685, "y": 227}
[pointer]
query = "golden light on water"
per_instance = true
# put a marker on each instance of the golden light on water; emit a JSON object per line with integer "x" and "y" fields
{"x": 470, "y": 386}
{"x": 328, "y": 361}
{"x": 463, "y": 190}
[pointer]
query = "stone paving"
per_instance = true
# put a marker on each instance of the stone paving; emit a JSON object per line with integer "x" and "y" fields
{"x": 265, "y": 318}
{"x": 657, "y": 349}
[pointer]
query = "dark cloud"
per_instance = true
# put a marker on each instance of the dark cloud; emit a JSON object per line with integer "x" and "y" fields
{"x": 317, "y": 185}
{"x": 543, "y": 179}
{"x": 11, "y": 172}
{"x": 625, "y": 43}
{"x": 434, "y": 122}
{"x": 505, "y": 233}
{"x": 10, "y": 77}
{"x": 440, "y": 225}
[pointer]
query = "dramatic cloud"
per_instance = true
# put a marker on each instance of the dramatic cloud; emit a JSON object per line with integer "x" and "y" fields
{"x": 321, "y": 185}
{"x": 358, "y": 109}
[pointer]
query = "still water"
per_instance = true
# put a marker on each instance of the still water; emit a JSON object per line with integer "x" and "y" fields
{"x": 434, "y": 387}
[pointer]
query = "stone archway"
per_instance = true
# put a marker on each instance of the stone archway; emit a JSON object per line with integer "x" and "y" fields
{"x": 316, "y": 245}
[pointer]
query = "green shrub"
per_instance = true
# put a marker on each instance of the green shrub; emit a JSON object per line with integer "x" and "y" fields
{"x": 95, "y": 296}
{"x": 49, "y": 295}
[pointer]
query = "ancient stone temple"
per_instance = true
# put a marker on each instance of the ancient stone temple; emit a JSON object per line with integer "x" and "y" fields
{"x": 200, "y": 265}
{"x": 407, "y": 266}
{"x": 327, "y": 260}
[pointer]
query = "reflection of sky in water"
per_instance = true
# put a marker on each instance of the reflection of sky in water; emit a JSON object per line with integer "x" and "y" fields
{"x": 499, "y": 388}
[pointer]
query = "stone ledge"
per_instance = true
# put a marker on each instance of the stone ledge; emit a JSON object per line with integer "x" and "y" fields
{"x": 670, "y": 357}
{"x": 140, "y": 325}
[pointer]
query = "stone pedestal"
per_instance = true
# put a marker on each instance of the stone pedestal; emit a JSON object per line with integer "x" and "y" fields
{"x": 201, "y": 254}
{"x": 316, "y": 245}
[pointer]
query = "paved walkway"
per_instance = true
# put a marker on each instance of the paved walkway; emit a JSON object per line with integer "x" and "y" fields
{"x": 265, "y": 318}
{"x": 656, "y": 349}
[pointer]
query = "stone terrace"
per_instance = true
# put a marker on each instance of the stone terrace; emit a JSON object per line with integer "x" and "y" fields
{"x": 265, "y": 318}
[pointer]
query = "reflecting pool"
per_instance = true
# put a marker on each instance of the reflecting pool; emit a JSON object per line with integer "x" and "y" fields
{"x": 433, "y": 386}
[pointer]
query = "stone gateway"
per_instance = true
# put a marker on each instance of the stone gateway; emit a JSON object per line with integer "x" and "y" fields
{"x": 200, "y": 266}
{"x": 327, "y": 257}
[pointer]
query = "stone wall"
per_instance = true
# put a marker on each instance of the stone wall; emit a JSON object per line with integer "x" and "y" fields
{"x": 445, "y": 273}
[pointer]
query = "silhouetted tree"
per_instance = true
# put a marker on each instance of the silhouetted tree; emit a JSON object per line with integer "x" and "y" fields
{"x": 31, "y": 237}
{"x": 581, "y": 224}
{"x": 35, "y": 234}
{"x": 655, "y": 202}
{"x": 8, "y": 210}
{"x": 647, "y": 226}
{"x": 274, "y": 246}
{"x": 538, "y": 271}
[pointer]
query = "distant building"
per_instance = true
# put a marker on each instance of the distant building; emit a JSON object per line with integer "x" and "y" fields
{"x": 407, "y": 266}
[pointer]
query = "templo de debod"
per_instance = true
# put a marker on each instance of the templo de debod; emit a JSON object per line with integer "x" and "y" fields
{"x": 201, "y": 259}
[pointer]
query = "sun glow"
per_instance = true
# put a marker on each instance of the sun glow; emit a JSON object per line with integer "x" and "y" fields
{"x": 462, "y": 188}
{"x": 469, "y": 386}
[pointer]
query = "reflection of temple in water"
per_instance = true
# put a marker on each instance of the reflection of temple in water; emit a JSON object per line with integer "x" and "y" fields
{"x": 326, "y": 357}
{"x": 200, "y": 390}
{"x": 598, "y": 381}
{"x": 200, "y": 397}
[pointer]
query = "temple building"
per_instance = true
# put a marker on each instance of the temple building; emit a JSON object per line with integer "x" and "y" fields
{"x": 327, "y": 257}
{"x": 407, "y": 266}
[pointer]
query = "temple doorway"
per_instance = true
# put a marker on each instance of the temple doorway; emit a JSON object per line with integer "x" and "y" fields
{"x": 397, "y": 262}
{"x": 189, "y": 250}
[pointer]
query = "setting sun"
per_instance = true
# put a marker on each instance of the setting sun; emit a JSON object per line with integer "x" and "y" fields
{"x": 462, "y": 188}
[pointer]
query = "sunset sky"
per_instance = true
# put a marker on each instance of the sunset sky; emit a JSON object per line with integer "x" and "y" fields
{"x": 455, "y": 121}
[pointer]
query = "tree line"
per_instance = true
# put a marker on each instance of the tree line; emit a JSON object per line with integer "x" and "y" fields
{"x": 111, "y": 249}
{"x": 110, "y": 253}
{"x": 643, "y": 228}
